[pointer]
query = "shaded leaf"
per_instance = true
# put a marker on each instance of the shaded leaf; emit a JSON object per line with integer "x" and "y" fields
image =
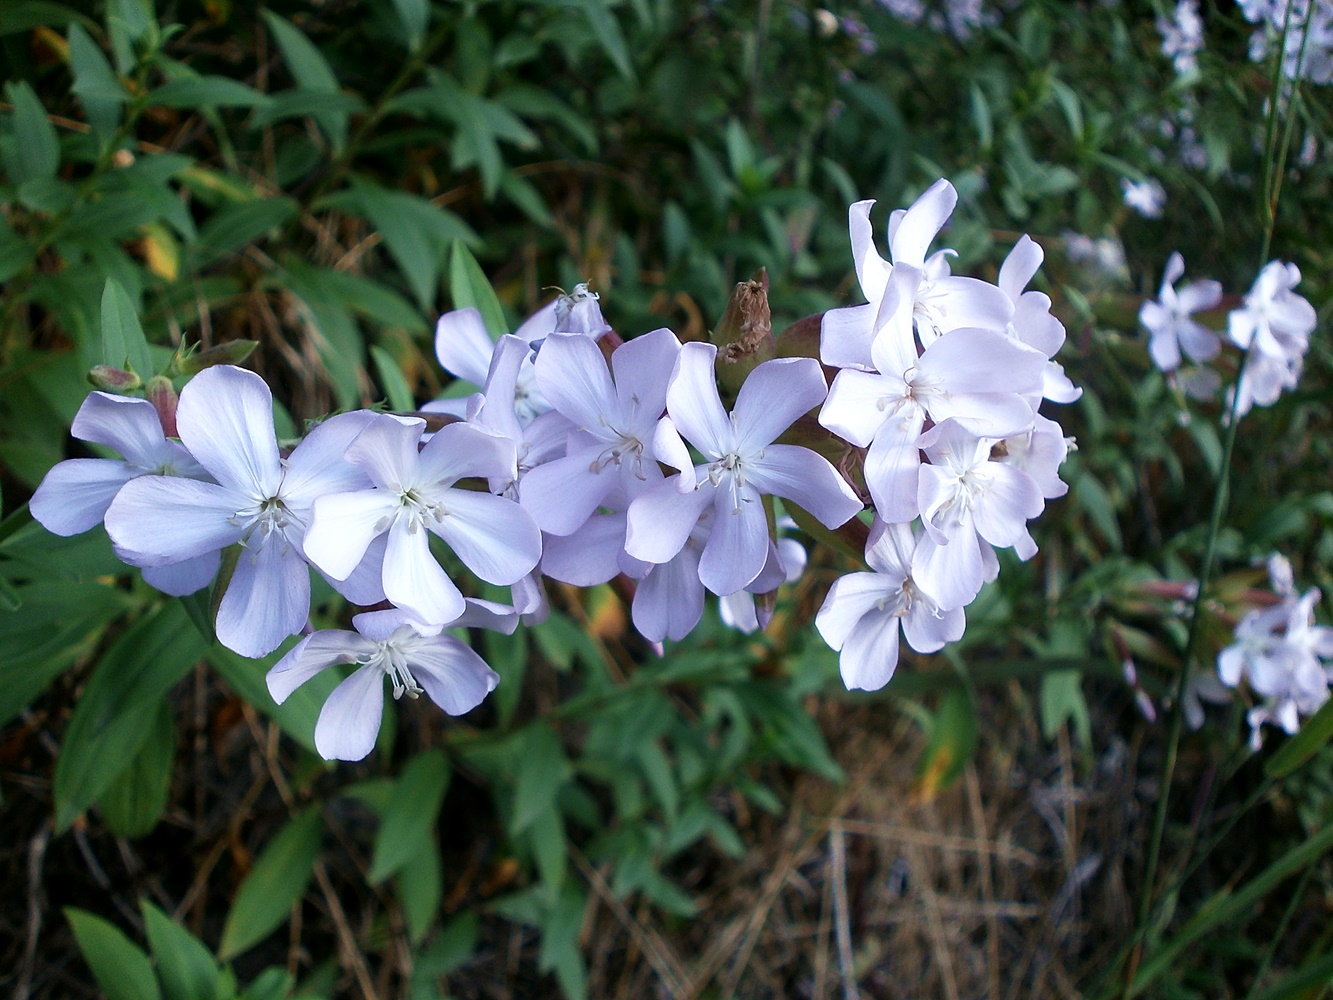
{"x": 278, "y": 879}
{"x": 119, "y": 966}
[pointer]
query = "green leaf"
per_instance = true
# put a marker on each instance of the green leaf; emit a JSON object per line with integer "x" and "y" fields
{"x": 312, "y": 72}
{"x": 392, "y": 380}
{"x": 114, "y": 715}
{"x": 1062, "y": 700}
{"x": 420, "y": 888}
{"x": 607, "y": 30}
{"x": 23, "y": 15}
{"x": 278, "y": 879}
{"x": 194, "y": 92}
{"x": 407, "y": 822}
{"x": 119, "y": 966}
{"x": 123, "y": 341}
{"x": 95, "y": 83}
{"x": 186, "y": 967}
{"x": 953, "y": 738}
{"x": 1314, "y": 733}
{"x": 137, "y": 797}
{"x": 469, "y": 286}
{"x": 542, "y": 769}
{"x": 298, "y": 714}
{"x": 34, "y": 153}
{"x": 415, "y": 15}
{"x": 560, "y": 949}
{"x": 235, "y": 226}
{"x": 546, "y": 836}
{"x": 271, "y": 984}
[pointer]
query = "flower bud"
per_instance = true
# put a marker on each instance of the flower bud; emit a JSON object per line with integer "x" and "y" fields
{"x": 110, "y": 379}
{"x": 190, "y": 362}
{"x": 162, "y": 394}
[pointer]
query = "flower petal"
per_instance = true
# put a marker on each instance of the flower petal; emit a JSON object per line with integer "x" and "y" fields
{"x": 185, "y": 577}
{"x": 463, "y": 346}
{"x": 318, "y": 467}
{"x": 455, "y": 677}
{"x": 311, "y": 655}
{"x": 573, "y": 376}
{"x": 669, "y": 601}
{"x": 342, "y": 527}
{"x": 738, "y": 546}
{"x": 660, "y": 521}
{"x": 773, "y": 396}
{"x": 588, "y": 556}
{"x": 414, "y": 581}
{"x": 693, "y": 402}
{"x": 76, "y": 493}
{"x": 807, "y": 480}
{"x": 128, "y": 424}
{"x": 845, "y": 336}
{"x": 870, "y": 655}
{"x": 225, "y": 418}
{"x": 267, "y": 598}
{"x": 562, "y": 495}
{"x": 350, "y": 720}
{"x": 917, "y": 228}
{"x": 849, "y": 600}
{"x": 496, "y": 538}
{"x": 642, "y": 368}
{"x": 159, "y": 519}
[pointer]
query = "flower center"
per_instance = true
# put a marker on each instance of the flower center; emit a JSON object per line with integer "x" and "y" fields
{"x": 393, "y": 661}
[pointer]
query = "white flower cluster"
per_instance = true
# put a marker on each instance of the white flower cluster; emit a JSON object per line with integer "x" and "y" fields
{"x": 1307, "y": 49}
{"x": 1280, "y": 652}
{"x": 941, "y": 378}
{"x": 582, "y": 462}
{"x": 1182, "y": 36}
{"x": 1272, "y": 325}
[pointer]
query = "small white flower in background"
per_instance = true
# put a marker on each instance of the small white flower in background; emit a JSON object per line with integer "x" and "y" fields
{"x": 415, "y": 657}
{"x": 1170, "y": 320}
{"x": 1148, "y": 198}
{"x": 1102, "y": 259}
{"x": 1280, "y": 652}
{"x": 1182, "y": 36}
{"x": 1274, "y": 324}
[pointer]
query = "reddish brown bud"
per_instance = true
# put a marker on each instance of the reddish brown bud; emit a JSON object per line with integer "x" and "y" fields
{"x": 110, "y": 379}
{"x": 162, "y": 394}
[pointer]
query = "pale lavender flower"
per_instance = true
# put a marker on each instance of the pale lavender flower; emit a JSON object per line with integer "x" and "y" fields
{"x": 414, "y": 490}
{"x": 225, "y": 420}
{"x": 742, "y": 464}
{"x": 415, "y": 657}
{"x": 1274, "y": 325}
{"x": 1032, "y": 322}
{"x": 1146, "y": 197}
{"x": 1170, "y": 320}
{"x": 863, "y": 612}
{"x": 1182, "y": 36}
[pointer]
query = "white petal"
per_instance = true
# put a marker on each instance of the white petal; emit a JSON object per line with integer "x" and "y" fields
{"x": 562, "y": 495}
{"x": 496, "y": 538}
{"x": 871, "y": 269}
{"x": 317, "y": 466}
{"x": 462, "y": 450}
{"x": 845, "y": 336}
{"x": 1012, "y": 498}
{"x": 267, "y": 598}
{"x": 413, "y": 580}
{"x": 129, "y": 425}
{"x": 669, "y": 601}
{"x": 463, "y": 346}
{"x": 311, "y": 655}
{"x": 849, "y": 600}
{"x": 660, "y": 521}
{"x": 387, "y": 450}
{"x": 1019, "y": 267}
{"x": 455, "y": 678}
{"x": 350, "y": 719}
{"x": 590, "y": 555}
{"x": 807, "y": 480}
{"x": 738, "y": 546}
{"x": 889, "y": 548}
{"x": 892, "y": 470}
{"x": 982, "y": 361}
{"x": 693, "y": 402}
{"x": 342, "y": 527}
{"x": 185, "y": 577}
{"x": 951, "y": 574}
{"x": 927, "y": 630}
{"x": 225, "y": 418}
{"x": 164, "y": 520}
{"x": 76, "y": 493}
{"x": 870, "y": 655}
{"x": 364, "y": 586}
{"x": 917, "y": 229}
{"x": 852, "y": 409}
{"x": 773, "y": 396}
{"x": 573, "y": 376}
{"x": 643, "y": 369}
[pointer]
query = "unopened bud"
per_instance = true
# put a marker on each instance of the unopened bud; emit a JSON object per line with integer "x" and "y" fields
{"x": 233, "y": 352}
{"x": 801, "y": 340}
{"x": 110, "y": 379}
{"x": 578, "y": 312}
{"x": 162, "y": 394}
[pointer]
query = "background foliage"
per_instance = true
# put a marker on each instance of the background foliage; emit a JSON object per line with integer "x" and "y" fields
{"x": 325, "y": 179}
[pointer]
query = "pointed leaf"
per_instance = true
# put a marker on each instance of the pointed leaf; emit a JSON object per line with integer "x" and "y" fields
{"x": 186, "y": 967}
{"x": 278, "y": 879}
{"x": 407, "y": 822}
{"x": 119, "y": 966}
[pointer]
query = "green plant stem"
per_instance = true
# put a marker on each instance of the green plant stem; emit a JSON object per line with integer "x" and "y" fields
{"x": 1279, "y": 932}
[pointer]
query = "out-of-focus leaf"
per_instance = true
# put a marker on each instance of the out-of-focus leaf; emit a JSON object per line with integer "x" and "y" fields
{"x": 607, "y": 31}
{"x": 95, "y": 83}
{"x": 186, "y": 967}
{"x": 410, "y": 816}
{"x": 1061, "y": 701}
{"x": 312, "y": 72}
{"x": 542, "y": 769}
{"x": 469, "y": 286}
{"x": 420, "y": 886}
{"x": 123, "y": 341}
{"x": 278, "y": 879}
{"x": 35, "y": 152}
{"x": 235, "y": 226}
{"x": 119, "y": 966}
{"x": 546, "y": 835}
{"x": 392, "y": 380}
{"x": 953, "y": 737}
{"x": 415, "y": 15}
{"x": 24, "y": 15}
{"x": 136, "y": 799}
{"x": 297, "y": 715}
{"x": 114, "y": 715}
{"x": 206, "y": 92}
{"x": 560, "y": 951}
{"x": 1314, "y": 734}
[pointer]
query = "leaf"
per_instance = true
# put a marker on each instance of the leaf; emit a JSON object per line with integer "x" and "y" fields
{"x": 1062, "y": 700}
{"x": 194, "y": 92}
{"x": 186, "y": 967}
{"x": 546, "y": 836}
{"x": 95, "y": 83}
{"x": 23, "y": 15}
{"x": 123, "y": 341}
{"x": 235, "y": 226}
{"x": 607, "y": 30}
{"x": 278, "y": 879}
{"x": 1314, "y": 733}
{"x": 34, "y": 153}
{"x": 114, "y": 715}
{"x": 469, "y": 286}
{"x": 420, "y": 888}
{"x": 415, "y": 16}
{"x": 560, "y": 949}
{"x": 542, "y": 769}
{"x": 137, "y": 797}
{"x": 407, "y": 822}
{"x": 312, "y": 72}
{"x": 392, "y": 380}
{"x": 298, "y": 714}
{"x": 119, "y": 966}
{"x": 953, "y": 738}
